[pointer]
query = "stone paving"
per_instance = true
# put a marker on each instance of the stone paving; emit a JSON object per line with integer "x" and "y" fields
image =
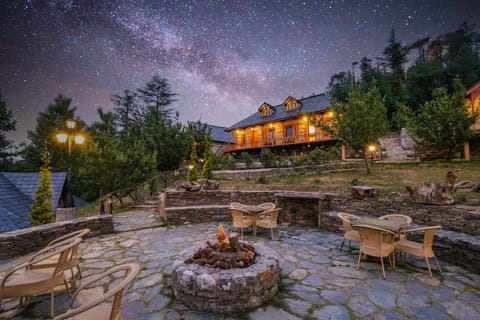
{"x": 318, "y": 281}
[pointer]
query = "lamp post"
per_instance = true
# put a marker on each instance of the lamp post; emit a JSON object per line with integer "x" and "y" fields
{"x": 372, "y": 149}
{"x": 70, "y": 137}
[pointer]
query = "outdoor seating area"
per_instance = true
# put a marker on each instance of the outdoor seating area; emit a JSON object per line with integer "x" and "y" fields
{"x": 386, "y": 236}
{"x": 264, "y": 215}
{"x": 318, "y": 280}
{"x": 53, "y": 266}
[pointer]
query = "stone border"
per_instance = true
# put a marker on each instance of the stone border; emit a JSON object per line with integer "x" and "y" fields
{"x": 226, "y": 291}
{"x": 23, "y": 241}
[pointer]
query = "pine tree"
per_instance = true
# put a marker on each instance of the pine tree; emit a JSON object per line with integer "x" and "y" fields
{"x": 42, "y": 208}
{"x": 207, "y": 170}
{"x": 193, "y": 168}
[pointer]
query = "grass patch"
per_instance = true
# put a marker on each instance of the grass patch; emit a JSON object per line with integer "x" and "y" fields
{"x": 389, "y": 179}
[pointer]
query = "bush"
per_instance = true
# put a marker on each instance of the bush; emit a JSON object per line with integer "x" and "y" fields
{"x": 268, "y": 158}
{"x": 262, "y": 180}
{"x": 224, "y": 162}
{"x": 299, "y": 160}
{"x": 247, "y": 159}
{"x": 324, "y": 155}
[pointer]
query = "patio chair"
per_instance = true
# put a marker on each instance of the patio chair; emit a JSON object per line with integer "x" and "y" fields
{"x": 398, "y": 217}
{"x": 240, "y": 219}
{"x": 420, "y": 249}
{"x": 376, "y": 242}
{"x": 87, "y": 305}
{"x": 265, "y": 206}
{"x": 236, "y": 205}
{"x": 350, "y": 234}
{"x": 269, "y": 220}
{"x": 72, "y": 261}
{"x": 26, "y": 280}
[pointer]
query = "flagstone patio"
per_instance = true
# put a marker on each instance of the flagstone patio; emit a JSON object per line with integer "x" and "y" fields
{"x": 318, "y": 281}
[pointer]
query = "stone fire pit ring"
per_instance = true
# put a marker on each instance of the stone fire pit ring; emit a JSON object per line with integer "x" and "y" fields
{"x": 226, "y": 290}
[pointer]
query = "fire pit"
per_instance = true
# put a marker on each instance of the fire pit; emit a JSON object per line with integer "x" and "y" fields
{"x": 227, "y": 276}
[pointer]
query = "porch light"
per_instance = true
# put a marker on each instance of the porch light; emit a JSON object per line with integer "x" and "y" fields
{"x": 305, "y": 118}
{"x": 271, "y": 125}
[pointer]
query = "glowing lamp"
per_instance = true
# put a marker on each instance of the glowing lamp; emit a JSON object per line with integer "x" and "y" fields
{"x": 62, "y": 137}
{"x": 79, "y": 139}
{"x": 71, "y": 124}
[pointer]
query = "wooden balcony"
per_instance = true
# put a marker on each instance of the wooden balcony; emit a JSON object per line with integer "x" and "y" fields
{"x": 278, "y": 142}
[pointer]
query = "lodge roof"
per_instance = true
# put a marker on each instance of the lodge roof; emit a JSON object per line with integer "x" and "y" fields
{"x": 475, "y": 87}
{"x": 217, "y": 133}
{"x": 313, "y": 104}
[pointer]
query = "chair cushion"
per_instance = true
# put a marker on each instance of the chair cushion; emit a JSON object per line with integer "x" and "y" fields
{"x": 100, "y": 312}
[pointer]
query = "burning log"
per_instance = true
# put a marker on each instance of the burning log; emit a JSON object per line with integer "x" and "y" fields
{"x": 227, "y": 253}
{"x": 223, "y": 241}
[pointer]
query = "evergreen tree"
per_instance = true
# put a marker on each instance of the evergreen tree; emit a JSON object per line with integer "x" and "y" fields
{"x": 42, "y": 207}
{"x": 6, "y": 124}
{"x": 444, "y": 122}
{"x": 339, "y": 85}
{"x": 193, "y": 165}
{"x": 157, "y": 96}
{"x": 48, "y": 122}
{"x": 360, "y": 121}
{"x": 207, "y": 170}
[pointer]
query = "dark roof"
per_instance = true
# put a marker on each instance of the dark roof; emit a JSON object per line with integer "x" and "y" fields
{"x": 313, "y": 104}
{"x": 473, "y": 88}
{"x": 17, "y": 192}
{"x": 217, "y": 133}
{"x": 14, "y": 207}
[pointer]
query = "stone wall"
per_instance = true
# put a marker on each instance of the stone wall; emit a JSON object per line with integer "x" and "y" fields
{"x": 21, "y": 242}
{"x": 216, "y": 197}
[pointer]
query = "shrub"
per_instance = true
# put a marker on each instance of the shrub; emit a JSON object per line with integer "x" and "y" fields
{"x": 247, "y": 159}
{"x": 262, "y": 180}
{"x": 324, "y": 155}
{"x": 268, "y": 158}
{"x": 299, "y": 160}
{"x": 224, "y": 162}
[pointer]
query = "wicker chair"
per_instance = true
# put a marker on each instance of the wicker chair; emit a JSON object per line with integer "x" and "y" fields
{"x": 376, "y": 242}
{"x": 72, "y": 261}
{"x": 266, "y": 206}
{"x": 398, "y": 217}
{"x": 107, "y": 305}
{"x": 28, "y": 279}
{"x": 269, "y": 220}
{"x": 350, "y": 234}
{"x": 240, "y": 219}
{"x": 420, "y": 249}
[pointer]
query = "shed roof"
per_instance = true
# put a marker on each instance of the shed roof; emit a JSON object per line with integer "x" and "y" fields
{"x": 17, "y": 193}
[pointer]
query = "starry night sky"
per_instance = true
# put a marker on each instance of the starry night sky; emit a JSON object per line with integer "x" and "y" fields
{"x": 223, "y": 58}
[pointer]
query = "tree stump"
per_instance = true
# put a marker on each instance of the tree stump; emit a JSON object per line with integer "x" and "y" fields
{"x": 435, "y": 193}
{"x": 361, "y": 192}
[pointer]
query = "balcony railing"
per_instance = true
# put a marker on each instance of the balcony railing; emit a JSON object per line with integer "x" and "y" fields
{"x": 282, "y": 141}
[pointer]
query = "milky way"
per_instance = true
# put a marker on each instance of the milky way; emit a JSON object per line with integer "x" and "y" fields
{"x": 223, "y": 58}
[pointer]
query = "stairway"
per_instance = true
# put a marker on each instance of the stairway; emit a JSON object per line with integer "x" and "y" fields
{"x": 149, "y": 203}
{"x": 394, "y": 147}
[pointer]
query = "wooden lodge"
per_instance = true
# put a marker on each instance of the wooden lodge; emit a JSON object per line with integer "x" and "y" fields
{"x": 291, "y": 123}
{"x": 472, "y": 148}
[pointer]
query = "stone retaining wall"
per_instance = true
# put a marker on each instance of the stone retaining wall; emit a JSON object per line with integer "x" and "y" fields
{"x": 21, "y": 242}
{"x": 216, "y": 197}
